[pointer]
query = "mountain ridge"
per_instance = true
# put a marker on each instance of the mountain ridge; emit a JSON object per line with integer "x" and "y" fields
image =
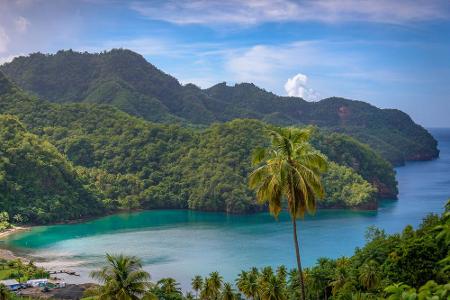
{"x": 124, "y": 79}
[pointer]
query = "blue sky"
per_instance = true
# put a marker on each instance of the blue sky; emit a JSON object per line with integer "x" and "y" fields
{"x": 393, "y": 54}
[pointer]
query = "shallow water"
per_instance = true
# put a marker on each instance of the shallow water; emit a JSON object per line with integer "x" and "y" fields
{"x": 181, "y": 243}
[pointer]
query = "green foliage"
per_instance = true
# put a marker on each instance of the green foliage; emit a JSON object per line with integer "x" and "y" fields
{"x": 348, "y": 152}
{"x": 412, "y": 258}
{"x": 4, "y": 221}
{"x": 17, "y": 269}
{"x": 345, "y": 188}
{"x": 37, "y": 182}
{"x": 122, "y": 278}
{"x": 127, "y": 81}
{"x": 122, "y": 162}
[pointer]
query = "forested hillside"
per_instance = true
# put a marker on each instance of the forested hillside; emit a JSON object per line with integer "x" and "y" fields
{"x": 125, "y": 162}
{"x": 126, "y": 80}
{"x": 37, "y": 183}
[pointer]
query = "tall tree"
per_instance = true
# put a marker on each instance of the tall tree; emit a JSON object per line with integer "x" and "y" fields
{"x": 228, "y": 292}
{"x": 289, "y": 168}
{"x": 169, "y": 288}
{"x": 247, "y": 283}
{"x": 272, "y": 289}
{"x": 123, "y": 278}
{"x": 216, "y": 283}
{"x": 369, "y": 275}
{"x": 197, "y": 284}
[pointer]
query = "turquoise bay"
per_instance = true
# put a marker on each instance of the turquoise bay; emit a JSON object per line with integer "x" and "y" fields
{"x": 181, "y": 243}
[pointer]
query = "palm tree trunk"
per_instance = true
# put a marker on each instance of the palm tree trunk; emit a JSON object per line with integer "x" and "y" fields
{"x": 299, "y": 263}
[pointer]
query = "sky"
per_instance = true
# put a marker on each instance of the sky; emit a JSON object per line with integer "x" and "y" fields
{"x": 392, "y": 54}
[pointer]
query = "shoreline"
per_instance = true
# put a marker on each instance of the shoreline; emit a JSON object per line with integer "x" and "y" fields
{"x": 13, "y": 230}
{"x": 6, "y": 253}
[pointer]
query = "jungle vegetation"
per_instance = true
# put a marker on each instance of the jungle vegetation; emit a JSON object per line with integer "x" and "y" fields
{"x": 98, "y": 159}
{"x": 124, "y": 79}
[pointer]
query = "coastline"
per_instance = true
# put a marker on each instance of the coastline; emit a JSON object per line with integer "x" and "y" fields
{"x": 14, "y": 229}
{"x": 6, "y": 253}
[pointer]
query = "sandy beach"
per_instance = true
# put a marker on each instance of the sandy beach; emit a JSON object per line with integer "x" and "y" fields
{"x": 5, "y": 253}
{"x": 14, "y": 229}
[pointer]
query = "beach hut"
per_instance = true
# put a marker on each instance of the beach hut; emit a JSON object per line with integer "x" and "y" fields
{"x": 12, "y": 284}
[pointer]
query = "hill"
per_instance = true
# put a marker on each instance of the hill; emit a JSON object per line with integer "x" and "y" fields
{"x": 37, "y": 182}
{"x": 127, "y": 162}
{"x": 126, "y": 80}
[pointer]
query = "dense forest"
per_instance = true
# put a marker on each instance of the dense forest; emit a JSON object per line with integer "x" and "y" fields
{"x": 104, "y": 159}
{"x": 37, "y": 182}
{"x": 127, "y": 81}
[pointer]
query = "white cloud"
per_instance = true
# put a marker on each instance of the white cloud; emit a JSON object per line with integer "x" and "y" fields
{"x": 252, "y": 12}
{"x": 22, "y": 24}
{"x": 267, "y": 65}
{"x": 4, "y": 40}
{"x": 297, "y": 87}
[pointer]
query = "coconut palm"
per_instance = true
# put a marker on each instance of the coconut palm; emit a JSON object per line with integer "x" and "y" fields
{"x": 150, "y": 295}
{"x": 272, "y": 289}
{"x": 341, "y": 280}
{"x": 208, "y": 292}
{"x": 247, "y": 283}
{"x": 289, "y": 168}
{"x": 228, "y": 292}
{"x": 216, "y": 283}
{"x": 189, "y": 296}
{"x": 169, "y": 287}
{"x": 197, "y": 284}
{"x": 122, "y": 279}
{"x": 282, "y": 273}
{"x": 242, "y": 284}
{"x": 369, "y": 275}
{"x": 266, "y": 273}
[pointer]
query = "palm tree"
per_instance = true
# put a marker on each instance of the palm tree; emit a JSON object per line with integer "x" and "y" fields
{"x": 216, "y": 282}
{"x": 122, "y": 279}
{"x": 289, "y": 168}
{"x": 369, "y": 275}
{"x": 341, "y": 279}
{"x": 228, "y": 292}
{"x": 266, "y": 273}
{"x": 247, "y": 283}
{"x": 150, "y": 295}
{"x": 189, "y": 296}
{"x": 272, "y": 289}
{"x": 208, "y": 292}
{"x": 282, "y": 273}
{"x": 169, "y": 286}
{"x": 197, "y": 284}
{"x": 242, "y": 284}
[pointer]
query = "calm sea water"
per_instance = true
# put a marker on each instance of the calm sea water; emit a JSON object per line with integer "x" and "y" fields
{"x": 181, "y": 243}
